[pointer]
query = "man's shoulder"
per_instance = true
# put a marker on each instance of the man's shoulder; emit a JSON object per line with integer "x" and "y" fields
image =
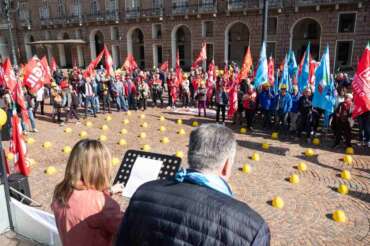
{"x": 191, "y": 195}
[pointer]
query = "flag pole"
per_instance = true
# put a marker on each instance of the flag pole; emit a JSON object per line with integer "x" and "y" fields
{"x": 265, "y": 20}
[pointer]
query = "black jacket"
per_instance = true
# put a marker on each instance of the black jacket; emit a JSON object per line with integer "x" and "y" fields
{"x": 171, "y": 213}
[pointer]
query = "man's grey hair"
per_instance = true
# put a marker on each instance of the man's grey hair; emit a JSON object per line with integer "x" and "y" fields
{"x": 210, "y": 145}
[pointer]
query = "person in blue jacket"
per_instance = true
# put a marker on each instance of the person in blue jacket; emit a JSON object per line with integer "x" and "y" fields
{"x": 294, "y": 112}
{"x": 266, "y": 101}
{"x": 284, "y": 106}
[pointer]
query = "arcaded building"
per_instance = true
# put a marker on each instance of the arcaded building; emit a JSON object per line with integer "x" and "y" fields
{"x": 74, "y": 31}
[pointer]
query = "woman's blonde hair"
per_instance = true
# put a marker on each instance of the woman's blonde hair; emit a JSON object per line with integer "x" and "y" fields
{"x": 88, "y": 167}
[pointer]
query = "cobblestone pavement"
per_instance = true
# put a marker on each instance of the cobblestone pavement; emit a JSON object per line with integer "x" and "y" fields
{"x": 306, "y": 216}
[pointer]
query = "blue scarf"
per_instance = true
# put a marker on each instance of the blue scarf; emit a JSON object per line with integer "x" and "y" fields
{"x": 211, "y": 181}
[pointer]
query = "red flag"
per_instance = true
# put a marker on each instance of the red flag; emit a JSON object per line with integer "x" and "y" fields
{"x": 108, "y": 61}
{"x": 53, "y": 65}
{"x": 9, "y": 76}
{"x": 18, "y": 97}
{"x": 211, "y": 79}
{"x": 271, "y": 71}
{"x": 130, "y": 63}
{"x": 178, "y": 79}
{"x": 246, "y": 66}
{"x": 361, "y": 85}
{"x": 44, "y": 63}
{"x": 18, "y": 147}
{"x": 93, "y": 64}
{"x": 201, "y": 57}
{"x": 164, "y": 66}
{"x": 35, "y": 75}
{"x": 312, "y": 68}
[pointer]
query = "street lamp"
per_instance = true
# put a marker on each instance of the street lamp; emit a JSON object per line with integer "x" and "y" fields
{"x": 7, "y": 10}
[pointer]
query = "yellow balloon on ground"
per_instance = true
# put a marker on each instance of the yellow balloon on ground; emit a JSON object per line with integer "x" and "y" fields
{"x": 126, "y": 121}
{"x": 115, "y": 161}
{"x": 146, "y": 147}
{"x": 162, "y": 128}
{"x": 179, "y": 121}
{"x": 348, "y": 159}
{"x": 343, "y": 189}
{"x": 108, "y": 118}
{"x": 265, "y": 146}
{"x": 345, "y": 174}
{"x": 162, "y": 118}
{"x": 47, "y": 145}
{"x": 67, "y": 149}
{"x": 294, "y": 179}
{"x": 349, "y": 151}
{"x": 83, "y": 134}
{"x": 256, "y": 157}
{"x": 278, "y": 202}
{"x": 30, "y": 140}
{"x": 50, "y": 170}
{"x": 3, "y": 117}
{"x": 104, "y": 127}
{"x": 144, "y": 125}
{"x": 68, "y": 130}
{"x": 339, "y": 216}
{"x": 122, "y": 142}
{"x": 165, "y": 140}
{"x": 179, "y": 154}
{"x": 89, "y": 124}
{"x": 103, "y": 138}
{"x": 129, "y": 113}
{"x": 246, "y": 168}
{"x": 309, "y": 152}
{"x": 10, "y": 156}
{"x": 142, "y": 135}
{"x": 302, "y": 166}
{"x": 181, "y": 132}
{"x": 123, "y": 131}
{"x": 275, "y": 135}
{"x": 243, "y": 130}
{"x": 142, "y": 116}
{"x": 195, "y": 123}
{"x": 316, "y": 141}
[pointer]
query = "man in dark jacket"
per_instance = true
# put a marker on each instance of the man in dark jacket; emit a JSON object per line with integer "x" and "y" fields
{"x": 197, "y": 208}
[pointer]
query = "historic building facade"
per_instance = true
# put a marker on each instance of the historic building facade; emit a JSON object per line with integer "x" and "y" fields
{"x": 74, "y": 31}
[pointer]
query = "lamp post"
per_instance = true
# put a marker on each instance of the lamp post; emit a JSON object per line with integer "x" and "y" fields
{"x": 265, "y": 20}
{"x": 7, "y": 7}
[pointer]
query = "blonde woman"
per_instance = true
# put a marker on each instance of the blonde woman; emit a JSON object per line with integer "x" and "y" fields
{"x": 85, "y": 213}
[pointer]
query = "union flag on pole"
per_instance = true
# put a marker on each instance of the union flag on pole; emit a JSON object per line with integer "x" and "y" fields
{"x": 35, "y": 75}
{"x": 18, "y": 147}
{"x": 53, "y": 65}
{"x": 44, "y": 63}
{"x": 201, "y": 57}
{"x": 130, "y": 64}
{"x": 246, "y": 66}
{"x": 361, "y": 85}
{"x": 271, "y": 71}
{"x": 108, "y": 61}
{"x": 164, "y": 66}
{"x": 90, "y": 68}
{"x": 9, "y": 77}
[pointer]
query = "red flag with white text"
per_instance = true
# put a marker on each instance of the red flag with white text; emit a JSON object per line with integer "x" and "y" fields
{"x": 90, "y": 68}
{"x": 361, "y": 85}
{"x": 35, "y": 75}
{"x": 201, "y": 57}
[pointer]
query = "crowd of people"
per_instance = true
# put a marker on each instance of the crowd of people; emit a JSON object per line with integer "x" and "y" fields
{"x": 74, "y": 95}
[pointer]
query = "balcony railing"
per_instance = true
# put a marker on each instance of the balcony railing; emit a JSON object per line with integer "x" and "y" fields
{"x": 236, "y": 4}
{"x": 323, "y": 2}
{"x": 180, "y": 9}
{"x": 132, "y": 13}
{"x": 207, "y": 7}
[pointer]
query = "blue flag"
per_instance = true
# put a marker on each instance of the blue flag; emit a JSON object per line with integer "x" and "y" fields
{"x": 262, "y": 70}
{"x": 305, "y": 72}
{"x": 292, "y": 64}
{"x": 285, "y": 80}
{"x": 324, "y": 94}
